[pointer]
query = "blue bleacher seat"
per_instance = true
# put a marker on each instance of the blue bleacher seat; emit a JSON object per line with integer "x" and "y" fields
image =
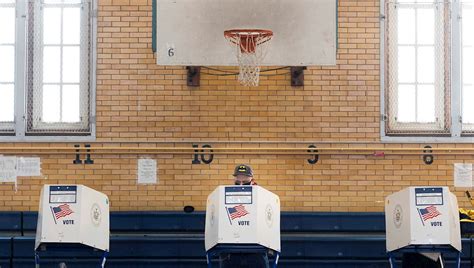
{"x": 122, "y": 263}
{"x": 5, "y": 247}
{"x": 333, "y": 222}
{"x": 10, "y": 222}
{"x": 176, "y": 239}
{"x": 5, "y": 263}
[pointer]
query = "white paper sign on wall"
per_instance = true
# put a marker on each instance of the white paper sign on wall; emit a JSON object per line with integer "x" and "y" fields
{"x": 146, "y": 171}
{"x": 463, "y": 175}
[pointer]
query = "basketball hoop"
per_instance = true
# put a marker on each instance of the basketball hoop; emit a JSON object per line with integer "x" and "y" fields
{"x": 251, "y": 46}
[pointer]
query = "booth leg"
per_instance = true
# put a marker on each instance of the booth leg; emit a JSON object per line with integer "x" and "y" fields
{"x": 441, "y": 260}
{"x": 459, "y": 260}
{"x": 104, "y": 259}
{"x": 209, "y": 264}
{"x": 37, "y": 260}
{"x": 391, "y": 260}
{"x": 277, "y": 257}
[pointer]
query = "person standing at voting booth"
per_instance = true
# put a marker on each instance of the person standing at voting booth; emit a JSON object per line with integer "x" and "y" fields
{"x": 243, "y": 175}
{"x": 242, "y": 223}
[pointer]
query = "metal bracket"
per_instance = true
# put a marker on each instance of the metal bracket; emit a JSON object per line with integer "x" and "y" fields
{"x": 315, "y": 159}
{"x": 194, "y": 76}
{"x": 297, "y": 76}
{"x": 428, "y": 158}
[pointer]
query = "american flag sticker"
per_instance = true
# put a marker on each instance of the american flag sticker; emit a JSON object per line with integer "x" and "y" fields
{"x": 428, "y": 213}
{"x": 236, "y": 212}
{"x": 61, "y": 211}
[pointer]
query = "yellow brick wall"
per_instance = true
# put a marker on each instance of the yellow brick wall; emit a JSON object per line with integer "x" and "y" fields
{"x": 150, "y": 105}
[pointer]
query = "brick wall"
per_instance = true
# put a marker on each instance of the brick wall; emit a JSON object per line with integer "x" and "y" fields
{"x": 140, "y": 102}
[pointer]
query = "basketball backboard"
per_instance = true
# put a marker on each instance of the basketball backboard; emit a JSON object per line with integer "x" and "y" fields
{"x": 191, "y": 32}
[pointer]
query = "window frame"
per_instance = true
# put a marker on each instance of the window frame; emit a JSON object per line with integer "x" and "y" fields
{"x": 439, "y": 84}
{"x": 469, "y": 126}
{"x": 20, "y": 133}
{"x": 8, "y": 127}
{"x": 455, "y": 135}
{"x": 38, "y": 84}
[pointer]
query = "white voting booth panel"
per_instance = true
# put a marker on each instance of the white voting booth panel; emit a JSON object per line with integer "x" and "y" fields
{"x": 422, "y": 216}
{"x": 73, "y": 214}
{"x": 243, "y": 215}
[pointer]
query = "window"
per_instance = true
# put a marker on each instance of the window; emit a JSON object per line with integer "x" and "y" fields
{"x": 428, "y": 64}
{"x": 416, "y": 63}
{"x": 467, "y": 65}
{"x": 49, "y": 82}
{"x": 7, "y": 65}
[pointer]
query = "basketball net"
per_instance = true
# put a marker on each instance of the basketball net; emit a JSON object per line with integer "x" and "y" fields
{"x": 250, "y": 47}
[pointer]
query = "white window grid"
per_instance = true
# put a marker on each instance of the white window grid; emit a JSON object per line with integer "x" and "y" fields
{"x": 441, "y": 83}
{"x": 467, "y": 125}
{"x": 20, "y": 132}
{"x": 35, "y": 105}
{"x": 7, "y": 126}
{"x": 458, "y": 132}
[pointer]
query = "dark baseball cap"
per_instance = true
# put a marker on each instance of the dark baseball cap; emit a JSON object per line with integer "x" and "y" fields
{"x": 243, "y": 170}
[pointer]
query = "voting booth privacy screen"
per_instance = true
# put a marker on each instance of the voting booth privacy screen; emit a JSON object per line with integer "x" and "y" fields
{"x": 422, "y": 216}
{"x": 243, "y": 215}
{"x": 73, "y": 214}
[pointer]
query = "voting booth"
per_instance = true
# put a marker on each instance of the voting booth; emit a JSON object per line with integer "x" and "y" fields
{"x": 72, "y": 215}
{"x": 240, "y": 217}
{"x": 423, "y": 218}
